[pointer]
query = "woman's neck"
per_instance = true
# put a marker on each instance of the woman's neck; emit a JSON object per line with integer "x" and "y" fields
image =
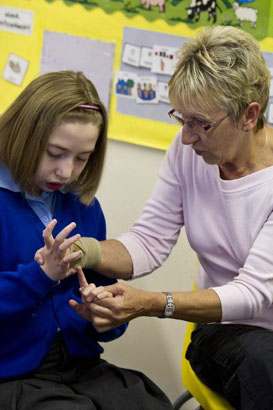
{"x": 252, "y": 156}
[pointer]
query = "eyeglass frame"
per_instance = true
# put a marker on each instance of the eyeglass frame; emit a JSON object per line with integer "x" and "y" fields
{"x": 206, "y": 127}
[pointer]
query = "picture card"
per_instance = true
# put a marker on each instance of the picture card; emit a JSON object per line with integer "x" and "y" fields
{"x": 147, "y": 90}
{"x": 146, "y": 57}
{"x": 125, "y": 84}
{"x": 164, "y": 59}
{"x": 131, "y": 55}
{"x": 162, "y": 91}
{"x": 15, "y": 69}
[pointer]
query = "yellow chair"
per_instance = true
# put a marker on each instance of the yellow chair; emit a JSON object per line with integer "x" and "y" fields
{"x": 207, "y": 398}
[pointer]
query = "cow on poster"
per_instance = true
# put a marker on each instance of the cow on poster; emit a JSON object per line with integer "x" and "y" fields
{"x": 125, "y": 84}
{"x": 147, "y": 90}
{"x": 164, "y": 59}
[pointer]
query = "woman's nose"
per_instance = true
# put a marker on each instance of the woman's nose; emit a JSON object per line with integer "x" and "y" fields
{"x": 189, "y": 136}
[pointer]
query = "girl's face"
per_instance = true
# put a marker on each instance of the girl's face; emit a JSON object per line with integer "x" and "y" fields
{"x": 66, "y": 154}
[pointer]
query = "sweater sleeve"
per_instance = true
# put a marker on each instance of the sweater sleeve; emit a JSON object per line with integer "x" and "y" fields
{"x": 23, "y": 289}
{"x": 154, "y": 234}
{"x": 251, "y": 291}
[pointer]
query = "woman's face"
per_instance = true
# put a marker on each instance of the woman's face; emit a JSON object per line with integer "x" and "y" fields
{"x": 219, "y": 144}
{"x": 66, "y": 154}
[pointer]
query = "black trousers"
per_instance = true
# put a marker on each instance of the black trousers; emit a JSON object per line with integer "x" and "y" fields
{"x": 236, "y": 361}
{"x": 65, "y": 383}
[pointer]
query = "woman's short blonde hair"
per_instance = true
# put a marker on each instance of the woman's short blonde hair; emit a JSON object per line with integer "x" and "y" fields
{"x": 222, "y": 68}
{"x": 48, "y": 101}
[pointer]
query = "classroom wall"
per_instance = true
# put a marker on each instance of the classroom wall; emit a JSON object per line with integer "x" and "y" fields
{"x": 150, "y": 345}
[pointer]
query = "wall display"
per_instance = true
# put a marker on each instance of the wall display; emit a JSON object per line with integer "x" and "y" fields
{"x": 163, "y": 50}
{"x": 251, "y": 15}
{"x": 127, "y": 47}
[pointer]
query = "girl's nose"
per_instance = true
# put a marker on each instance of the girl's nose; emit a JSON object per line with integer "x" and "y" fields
{"x": 64, "y": 170}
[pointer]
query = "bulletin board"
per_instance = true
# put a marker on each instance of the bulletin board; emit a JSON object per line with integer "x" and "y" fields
{"x": 111, "y": 41}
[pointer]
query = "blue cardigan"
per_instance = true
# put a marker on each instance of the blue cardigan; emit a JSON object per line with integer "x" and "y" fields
{"x": 32, "y": 307}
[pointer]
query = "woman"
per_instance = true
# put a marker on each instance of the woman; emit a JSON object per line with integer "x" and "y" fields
{"x": 217, "y": 181}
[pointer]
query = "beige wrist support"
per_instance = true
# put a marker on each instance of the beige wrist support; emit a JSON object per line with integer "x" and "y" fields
{"x": 91, "y": 253}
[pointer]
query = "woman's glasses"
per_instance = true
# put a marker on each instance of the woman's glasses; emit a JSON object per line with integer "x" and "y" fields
{"x": 174, "y": 115}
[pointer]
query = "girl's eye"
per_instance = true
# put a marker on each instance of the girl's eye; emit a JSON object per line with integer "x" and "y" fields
{"x": 52, "y": 155}
{"x": 82, "y": 159}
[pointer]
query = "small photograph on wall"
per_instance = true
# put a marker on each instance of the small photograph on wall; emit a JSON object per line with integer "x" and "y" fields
{"x": 164, "y": 60}
{"x": 162, "y": 91}
{"x": 146, "y": 57}
{"x": 131, "y": 55}
{"x": 125, "y": 84}
{"x": 147, "y": 90}
{"x": 15, "y": 69}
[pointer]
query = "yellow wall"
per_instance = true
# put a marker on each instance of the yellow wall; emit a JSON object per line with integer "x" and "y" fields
{"x": 95, "y": 24}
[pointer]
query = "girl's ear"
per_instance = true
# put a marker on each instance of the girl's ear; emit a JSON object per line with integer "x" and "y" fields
{"x": 250, "y": 116}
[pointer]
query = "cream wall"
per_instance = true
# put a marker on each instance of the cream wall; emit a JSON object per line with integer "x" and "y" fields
{"x": 150, "y": 345}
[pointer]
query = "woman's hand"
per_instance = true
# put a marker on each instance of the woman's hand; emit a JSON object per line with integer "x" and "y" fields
{"x": 106, "y": 313}
{"x": 55, "y": 257}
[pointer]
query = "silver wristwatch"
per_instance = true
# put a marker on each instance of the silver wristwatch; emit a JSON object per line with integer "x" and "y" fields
{"x": 170, "y": 307}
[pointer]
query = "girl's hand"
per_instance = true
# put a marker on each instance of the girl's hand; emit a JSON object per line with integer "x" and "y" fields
{"x": 55, "y": 254}
{"x": 89, "y": 294}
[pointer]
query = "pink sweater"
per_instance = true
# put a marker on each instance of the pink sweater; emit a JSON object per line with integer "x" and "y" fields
{"x": 228, "y": 223}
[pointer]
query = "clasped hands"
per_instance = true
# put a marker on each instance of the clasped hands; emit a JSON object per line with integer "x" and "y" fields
{"x": 106, "y": 307}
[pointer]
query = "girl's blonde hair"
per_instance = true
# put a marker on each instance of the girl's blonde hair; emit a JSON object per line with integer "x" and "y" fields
{"x": 48, "y": 101}
{"x": 223, "y": 67}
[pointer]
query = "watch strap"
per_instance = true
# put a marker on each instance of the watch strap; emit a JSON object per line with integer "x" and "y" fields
{"x": 170, "y": 307}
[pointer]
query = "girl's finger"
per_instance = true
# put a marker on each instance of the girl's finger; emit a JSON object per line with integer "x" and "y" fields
{"x": 88, "y": 290}
{"x": 38, "y": 257}
{"x": 68, "y": 242}
{"x": 72, "y": 257}
{"x": 82, "y": 279}
{"x": 47, "y": 234}
{"x": 64, "y": 233}
{"x": 104, "y": 294}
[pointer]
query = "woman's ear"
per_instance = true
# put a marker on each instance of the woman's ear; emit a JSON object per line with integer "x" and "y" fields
{"x": 250, "y": 116}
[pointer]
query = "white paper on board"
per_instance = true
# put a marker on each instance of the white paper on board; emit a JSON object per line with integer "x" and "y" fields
{"x": 16, "y": 20}
{"x": 15, "y": 69}
{"x": 131, "y": 55}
